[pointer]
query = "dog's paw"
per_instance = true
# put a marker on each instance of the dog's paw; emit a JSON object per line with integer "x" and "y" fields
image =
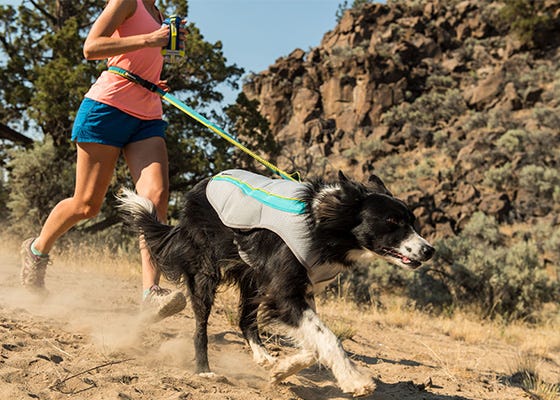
{"x": 267, "y": 364}
{"x": 267, "y": 361}
{"x": 277, "y": 377}
{"x": 290, "y": 366}
{"x": 362, "y": 386}
{"x": 261, "y": 356}
{"x": 281, "y": 370}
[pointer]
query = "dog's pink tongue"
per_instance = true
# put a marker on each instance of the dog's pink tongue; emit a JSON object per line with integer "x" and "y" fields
{"x": 405, "y": 260}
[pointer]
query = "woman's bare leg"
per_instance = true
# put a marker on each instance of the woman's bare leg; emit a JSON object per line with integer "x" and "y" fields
{"x": 94, "y": 169}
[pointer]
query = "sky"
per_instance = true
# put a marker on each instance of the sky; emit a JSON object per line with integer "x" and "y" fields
{"x": 255, "y": 33}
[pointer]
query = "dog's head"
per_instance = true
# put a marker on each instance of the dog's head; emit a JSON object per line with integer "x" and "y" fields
{"x": 367, "y": 220}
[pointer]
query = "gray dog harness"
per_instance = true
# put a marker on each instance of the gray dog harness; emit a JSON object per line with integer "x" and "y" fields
{"x": 245, "y": 200}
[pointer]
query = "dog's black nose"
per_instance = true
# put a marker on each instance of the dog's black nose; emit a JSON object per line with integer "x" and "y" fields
{"x": 427, "y": 252}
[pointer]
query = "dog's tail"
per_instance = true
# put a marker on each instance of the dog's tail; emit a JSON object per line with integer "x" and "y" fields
{"x": 139, "y": 215}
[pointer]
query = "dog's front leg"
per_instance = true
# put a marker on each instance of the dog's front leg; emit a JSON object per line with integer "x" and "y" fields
{"x": 319, "y": 343}
{"x": 248, "y": 308}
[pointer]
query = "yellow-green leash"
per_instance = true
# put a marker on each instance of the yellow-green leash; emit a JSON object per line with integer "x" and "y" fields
{"x": 200, "y": 119}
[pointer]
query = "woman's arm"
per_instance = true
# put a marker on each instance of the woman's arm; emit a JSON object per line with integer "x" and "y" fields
{"x": 99, "y": 44}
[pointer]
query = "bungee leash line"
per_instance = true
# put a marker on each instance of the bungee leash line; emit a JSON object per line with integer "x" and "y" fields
{"x": 152, "y": 87}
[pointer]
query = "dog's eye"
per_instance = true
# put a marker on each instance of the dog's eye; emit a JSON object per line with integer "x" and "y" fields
{"x": 392, "y": 221}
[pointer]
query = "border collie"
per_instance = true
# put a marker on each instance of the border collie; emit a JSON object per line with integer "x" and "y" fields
{"x": 337, "y": 225}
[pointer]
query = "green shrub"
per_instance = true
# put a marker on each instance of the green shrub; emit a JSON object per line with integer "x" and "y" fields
{"x": 543, "y": 182}
{"x": 476, "y": 120}
{"x": 498, "y": 119}
{"x": 440, "y": 82}
{"x": 512, "y": 141}
{"x": 547, "y": 117}
{"x": 480, "y": 267}
{"x": 344, "y": 6}
{"x": 545, "y": 145}
{"x": 427, "y": 110}
{"x": 39, "y": 179}
{"x": 528, "y": 20}
{"x": 403, "y": 178}
{"x": 484, "y": 229}
{"x": 366, "y": 148}
{"x": 499, "y": 177}
{"x": 363, "y": 284}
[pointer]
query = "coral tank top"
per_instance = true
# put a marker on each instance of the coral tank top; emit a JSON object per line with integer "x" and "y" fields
{"x": 119, "y": 92}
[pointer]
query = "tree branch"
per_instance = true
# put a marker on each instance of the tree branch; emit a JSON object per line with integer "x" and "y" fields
{"x": 44, "y": 12}
{"x": 8, "y": 133}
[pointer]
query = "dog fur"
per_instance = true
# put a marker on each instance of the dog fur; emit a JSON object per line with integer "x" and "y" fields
{"x": 348, "y": 223}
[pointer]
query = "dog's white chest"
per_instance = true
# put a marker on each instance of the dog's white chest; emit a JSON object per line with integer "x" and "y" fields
{"x": 245, "y": 200}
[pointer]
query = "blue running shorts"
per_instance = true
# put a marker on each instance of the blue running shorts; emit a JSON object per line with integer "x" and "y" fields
{"x": 100, "y": 123}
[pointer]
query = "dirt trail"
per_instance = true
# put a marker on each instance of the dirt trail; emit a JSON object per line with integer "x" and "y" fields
{"x": 86, "y": 342}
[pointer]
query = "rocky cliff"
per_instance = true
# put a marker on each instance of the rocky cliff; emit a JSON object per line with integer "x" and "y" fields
{"x": 443, "y": 100}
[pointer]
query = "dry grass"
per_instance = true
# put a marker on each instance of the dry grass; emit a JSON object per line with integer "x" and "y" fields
{"x": 86, "y": 256}
{"x": 537, "y": 345}
{"x": 525, "y": 374}
{"x": 537, "y": 340}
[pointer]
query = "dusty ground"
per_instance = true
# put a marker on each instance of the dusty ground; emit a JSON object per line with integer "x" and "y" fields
{"x": 85, "y": 342}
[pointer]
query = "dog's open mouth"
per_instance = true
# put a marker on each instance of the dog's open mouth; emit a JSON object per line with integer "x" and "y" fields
{"x": 409, "y": 262}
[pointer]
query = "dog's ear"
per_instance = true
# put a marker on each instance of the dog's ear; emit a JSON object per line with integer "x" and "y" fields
{"x": 327, "y": 207}
{"x": 376, "y": 184}
{"x": 342, "y": 177}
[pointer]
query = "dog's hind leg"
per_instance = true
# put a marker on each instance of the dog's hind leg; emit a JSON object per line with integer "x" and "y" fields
{"x": 202, "y": 291}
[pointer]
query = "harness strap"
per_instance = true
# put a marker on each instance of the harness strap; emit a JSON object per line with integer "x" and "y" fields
{"x": 152, "y": 87}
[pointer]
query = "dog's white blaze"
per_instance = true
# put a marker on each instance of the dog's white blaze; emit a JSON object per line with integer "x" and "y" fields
{"x": 412, "y": 246}
{"x": 319, "y": 343}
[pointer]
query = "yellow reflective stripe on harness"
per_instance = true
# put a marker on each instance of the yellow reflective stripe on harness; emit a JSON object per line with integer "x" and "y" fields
{"x": 200, "y": 119}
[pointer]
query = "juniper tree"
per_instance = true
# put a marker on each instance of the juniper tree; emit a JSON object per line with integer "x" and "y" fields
{"x": 44, "y": 77}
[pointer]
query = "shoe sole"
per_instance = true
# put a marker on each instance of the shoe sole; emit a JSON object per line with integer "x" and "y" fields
{"x": 175, "y": 305}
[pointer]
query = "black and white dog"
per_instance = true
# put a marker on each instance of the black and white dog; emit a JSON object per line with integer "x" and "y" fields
{"x": 337, "y": 225}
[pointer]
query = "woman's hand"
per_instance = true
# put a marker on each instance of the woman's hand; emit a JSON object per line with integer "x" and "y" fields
{"x": 163, "y": 85}
{"x": 158, "y": 38}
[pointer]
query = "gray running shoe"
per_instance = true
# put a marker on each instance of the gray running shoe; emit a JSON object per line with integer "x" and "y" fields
{"x": 162, "y": 303}
{"x": 33, "y": 268}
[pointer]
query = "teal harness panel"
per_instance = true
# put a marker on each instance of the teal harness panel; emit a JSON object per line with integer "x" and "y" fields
{"x": 279, "y": 202}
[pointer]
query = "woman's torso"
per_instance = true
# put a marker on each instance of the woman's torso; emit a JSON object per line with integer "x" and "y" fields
{"x": 117, "y": 91}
